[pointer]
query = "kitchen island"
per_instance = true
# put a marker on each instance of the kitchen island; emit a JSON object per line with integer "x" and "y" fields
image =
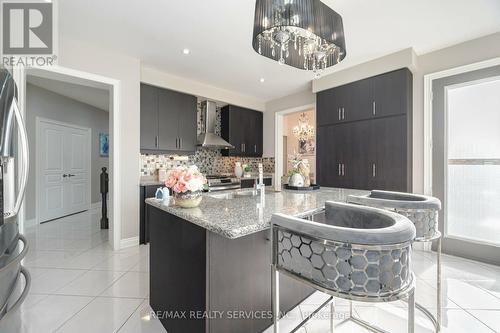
{"x": 210, "y": 267}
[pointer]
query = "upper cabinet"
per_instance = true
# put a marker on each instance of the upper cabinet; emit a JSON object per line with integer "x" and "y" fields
{"x": 379, "y": 96}
{"x": 168, "y": 121}
{"x": 364, "y": 134}
{"x": 243, "y": 128}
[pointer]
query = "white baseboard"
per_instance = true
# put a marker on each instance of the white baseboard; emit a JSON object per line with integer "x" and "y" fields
{"x": 97, "y": 205}
{"x": 129, "y": 242}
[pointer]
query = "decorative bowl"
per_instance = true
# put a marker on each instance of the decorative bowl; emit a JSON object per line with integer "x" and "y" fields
{"x": 188, "y": 199}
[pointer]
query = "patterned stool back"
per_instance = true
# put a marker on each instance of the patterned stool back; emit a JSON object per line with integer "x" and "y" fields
{"x": 357, "y": 253}
{"x": 422, "y": 210}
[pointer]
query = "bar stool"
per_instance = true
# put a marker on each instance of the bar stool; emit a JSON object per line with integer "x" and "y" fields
{"x": 356, "y": 253}
{"x": 423, "y": 212}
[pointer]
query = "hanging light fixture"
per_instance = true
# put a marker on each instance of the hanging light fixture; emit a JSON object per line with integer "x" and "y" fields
{"x": 305, "y": 34}
{"x": 303, "y": 131}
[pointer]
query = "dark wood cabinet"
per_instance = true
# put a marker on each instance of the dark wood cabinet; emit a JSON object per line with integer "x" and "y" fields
{"x": 390, "y": 93}
{"x": 149, "y": 117}
{"x": 168, "y": 121}
{"x": 366, "y": 150}
{"x": 250, "y": 182}
{"x": 145, "y": 192}
{"x": 379, "y": 96}
{"x": 243, "y": 128}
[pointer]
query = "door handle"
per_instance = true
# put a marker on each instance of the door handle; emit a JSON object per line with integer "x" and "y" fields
{"x": 343, "y": 113}
{"x": 156, "y": 141}
{"x": 374, "y": 170}
{"x": 65, "y": 175}
{"x": 180, "y": 143}
{"x": 343, "y": 169}
{"x": 255, "y": 148}
{"x": 374, "y": 108}
{"x": 70, "y": 175}
{"x": 340, "y": 114}
{"x": 340, "y": 170}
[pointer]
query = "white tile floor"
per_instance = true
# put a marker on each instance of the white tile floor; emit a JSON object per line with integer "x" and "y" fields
{"x": 80, "y": 285}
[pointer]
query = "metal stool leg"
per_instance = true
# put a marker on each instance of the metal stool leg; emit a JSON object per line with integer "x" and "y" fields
{"x": 439, "y": 300}
{"x": 275, "y": 292}
{"x": 411, "y": 312}
{"x": 332, "y": 317}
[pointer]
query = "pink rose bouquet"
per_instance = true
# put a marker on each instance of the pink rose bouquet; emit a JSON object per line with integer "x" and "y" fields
{"x": 185, "y": 179}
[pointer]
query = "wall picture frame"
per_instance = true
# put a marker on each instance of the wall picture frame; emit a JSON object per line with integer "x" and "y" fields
{"x": 104, "y": 144}
{"x": 307, "y": 147}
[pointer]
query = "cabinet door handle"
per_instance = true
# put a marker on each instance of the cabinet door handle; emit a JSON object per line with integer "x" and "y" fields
{"x": 156, "y": 141}
{"x": 374, "y": 108}
{"x": 65, "y": 175}
{"x": 343, "y": 113}
{"x": 254, "y": 148}
{"x": 340, "y": 171}
{"x": 180, "y": 143}
{"x": 374, "y": 170}
{"x": 340, "y": 114}
{"x": 343, "y": 169}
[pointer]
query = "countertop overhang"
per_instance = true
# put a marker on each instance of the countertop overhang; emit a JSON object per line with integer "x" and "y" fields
{"x": 242, "y": 216}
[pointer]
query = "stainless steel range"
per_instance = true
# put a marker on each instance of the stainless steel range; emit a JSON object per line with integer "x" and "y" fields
{"x": 222, "y": 183}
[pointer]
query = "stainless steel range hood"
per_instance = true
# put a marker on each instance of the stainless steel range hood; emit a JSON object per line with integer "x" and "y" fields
{"x": 208, "y": 138}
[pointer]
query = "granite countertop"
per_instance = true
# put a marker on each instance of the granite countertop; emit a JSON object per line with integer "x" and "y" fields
{"x": 241, "y": 216}
{"x": 150, "y": 183}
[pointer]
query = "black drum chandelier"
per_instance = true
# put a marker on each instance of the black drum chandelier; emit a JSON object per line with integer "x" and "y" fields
{"x": 306, "y": 34}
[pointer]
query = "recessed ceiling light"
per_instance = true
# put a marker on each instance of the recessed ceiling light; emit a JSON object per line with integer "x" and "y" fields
{"x": 186, "y": 51}
{"x": 262, "y": 80}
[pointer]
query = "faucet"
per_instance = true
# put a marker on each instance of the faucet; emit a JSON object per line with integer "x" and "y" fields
{"x": 260, "y": 186}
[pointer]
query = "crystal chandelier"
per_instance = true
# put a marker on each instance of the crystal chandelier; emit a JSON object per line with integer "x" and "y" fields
{"x": 305, "y": 34}
{"x": 303, "y": 131}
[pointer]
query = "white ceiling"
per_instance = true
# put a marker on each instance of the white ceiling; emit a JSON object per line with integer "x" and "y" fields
{"x": 218, "y": 33}
{"x": 95, "y": 97}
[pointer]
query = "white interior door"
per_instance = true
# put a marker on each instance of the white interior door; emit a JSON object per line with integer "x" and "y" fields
{"x": 63, "y": 164}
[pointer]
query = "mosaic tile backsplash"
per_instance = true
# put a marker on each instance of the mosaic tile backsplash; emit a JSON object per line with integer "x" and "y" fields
{"x": 209, "y": 161}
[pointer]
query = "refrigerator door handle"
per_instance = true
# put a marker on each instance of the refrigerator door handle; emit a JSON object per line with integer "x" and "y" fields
{"x": 25, "y": 156}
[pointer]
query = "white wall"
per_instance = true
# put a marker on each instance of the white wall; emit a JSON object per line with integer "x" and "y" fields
{"x": 88, "y": 58}
{"x": 49, "y": 105}
{"x": 299, "y": 101}
{"x": 165, "y": 80}
{"x": 470, "y": 52}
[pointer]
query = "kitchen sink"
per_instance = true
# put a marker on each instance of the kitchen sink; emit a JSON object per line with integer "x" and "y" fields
{"x": 234, "y": 195}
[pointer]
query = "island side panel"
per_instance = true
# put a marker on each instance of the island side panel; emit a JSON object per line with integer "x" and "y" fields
{"x": 177, "y": 271}
{"x": 239, "y": 273}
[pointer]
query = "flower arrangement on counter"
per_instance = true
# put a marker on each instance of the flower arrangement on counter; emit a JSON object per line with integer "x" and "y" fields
{"x": 187, "y": 184}
{"x": 299, "y": 175}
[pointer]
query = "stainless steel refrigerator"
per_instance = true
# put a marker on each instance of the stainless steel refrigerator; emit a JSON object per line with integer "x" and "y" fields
{"x": 13, "y": 179}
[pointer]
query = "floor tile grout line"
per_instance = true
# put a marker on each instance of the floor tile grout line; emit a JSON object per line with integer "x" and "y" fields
{"x": 479, "y": 320}
{"x": 105, "y": 288}
{"x": 67, "y": 320}
{"x": 70, "y": 282}
{"x": 128, "y": 318}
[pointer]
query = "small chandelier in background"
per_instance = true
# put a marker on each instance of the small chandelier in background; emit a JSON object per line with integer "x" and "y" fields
{"x": 303, "y": 131}
{"x": 305, "y": 34}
